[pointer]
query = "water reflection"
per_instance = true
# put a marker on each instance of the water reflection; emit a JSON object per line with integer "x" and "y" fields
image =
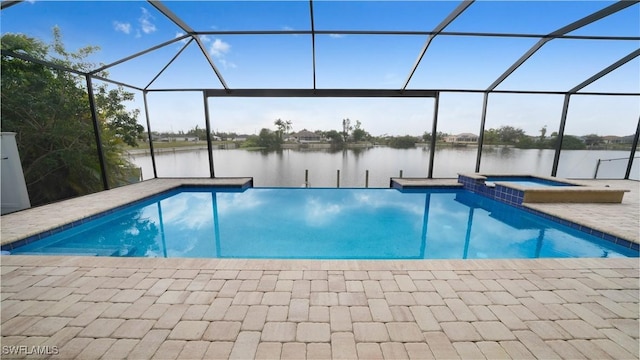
{"x": 325, "y": 224}
{"x": 286, "y": 167}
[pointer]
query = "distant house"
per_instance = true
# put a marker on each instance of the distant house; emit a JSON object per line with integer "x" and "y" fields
{"x": 462, "y": 138}
{"x": 241, "y": 138}
{"x": 612, "y": 139}
{"x": 305, "y": 136}
{"x": 179, "y": 138}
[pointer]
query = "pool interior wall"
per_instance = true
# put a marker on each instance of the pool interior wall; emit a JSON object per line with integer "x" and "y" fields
{"x": 276, "y": 254}
{"x": 534, "y": 189}
{"x": 516, "y": 198}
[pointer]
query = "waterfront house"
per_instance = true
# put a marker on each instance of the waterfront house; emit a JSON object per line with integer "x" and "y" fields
{"x": 464, "y": 138}
{"x": 306, "y": 136}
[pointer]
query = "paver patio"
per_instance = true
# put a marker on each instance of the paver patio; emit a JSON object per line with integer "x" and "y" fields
{"x": 116, "y": 308}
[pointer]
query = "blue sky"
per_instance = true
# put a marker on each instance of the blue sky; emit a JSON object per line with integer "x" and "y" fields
{"x": 122, "y": 28}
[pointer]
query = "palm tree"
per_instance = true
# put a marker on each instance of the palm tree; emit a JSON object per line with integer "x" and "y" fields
{"x": 283, "y": 127}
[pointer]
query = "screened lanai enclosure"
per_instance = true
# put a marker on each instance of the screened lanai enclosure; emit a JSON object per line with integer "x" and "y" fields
{"x": 101, "y": 94}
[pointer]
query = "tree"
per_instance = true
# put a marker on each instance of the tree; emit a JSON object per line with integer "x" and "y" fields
{"x": 592, "y": 140}
{"x": 282, "y": 127}
{"x": 543, "y": 132}
{"x": 346, "y": 128}
{"x": 49, "y": 111}
{"x": 491, "y": 136}
{"x": 403, "y": 142}
{"x": 359, "y": 134}
{"x": 335, "y": 138}
{"x": 509, "y": 134}
{"x": 269, "y": 139}
{"x": 570, "y": 142}
{"x": 426, "y": 136}
{"x": 198, "y": 132}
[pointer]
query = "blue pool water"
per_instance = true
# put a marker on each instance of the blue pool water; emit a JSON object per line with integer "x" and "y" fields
{"x": 528, "y": 181}
{"x": 323, "y": 224}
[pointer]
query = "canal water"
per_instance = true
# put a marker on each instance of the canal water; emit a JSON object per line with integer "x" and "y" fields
{"x": 287, "y": 167}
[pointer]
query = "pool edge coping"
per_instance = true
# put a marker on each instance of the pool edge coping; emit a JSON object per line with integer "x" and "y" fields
{"x": 173, "y": 184}
{"x": 161, "y": 186}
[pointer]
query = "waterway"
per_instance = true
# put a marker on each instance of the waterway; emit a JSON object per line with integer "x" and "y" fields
{"x": 287, "y": 167}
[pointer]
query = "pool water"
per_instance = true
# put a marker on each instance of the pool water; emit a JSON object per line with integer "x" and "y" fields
{"x": 527, "y": 181}
{"x": 323, "y": 224}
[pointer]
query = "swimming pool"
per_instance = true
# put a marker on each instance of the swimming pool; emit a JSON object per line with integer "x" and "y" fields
{"x": 528, "y": 181}
{"x": 323, "y": 224}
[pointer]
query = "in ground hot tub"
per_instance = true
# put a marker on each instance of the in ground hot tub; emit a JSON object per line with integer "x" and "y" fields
{"x": 518, "y": 189}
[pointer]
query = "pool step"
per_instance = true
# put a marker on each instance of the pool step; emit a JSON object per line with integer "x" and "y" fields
{"x": 71, "y": 251}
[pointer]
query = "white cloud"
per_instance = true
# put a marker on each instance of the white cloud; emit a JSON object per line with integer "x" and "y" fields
{"x": 226, "y": 64}
{"x": 219, "y": 48}
{"x": 205, "y": 38}
{"x": 145, "y": 22}
{"x": 337, "y": 36}
{"x": 122, "y": 27}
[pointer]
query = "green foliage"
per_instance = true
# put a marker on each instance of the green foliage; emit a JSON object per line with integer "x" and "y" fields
{"x": 267, "y": 139}
{"x": 504, "y": 135}
{"x": 121, "y": 124}
{"x": 593, "y": 140}
{"x": 572, "y": 143}
{"x": 335, "y": 138}
{"x": 198, "y": 132}
{"x": 359, "y": 134}
{"x": 403, "y": 142}
{"x": 49, "y": 111}
{"x": 543, "y": 133}
{"x": 346, "y": 129}
{"x": 510, "y": 135}
{"x": 491, "y": 136}
{"x": 426, "y": 137}
{"x": 282, "y": 127}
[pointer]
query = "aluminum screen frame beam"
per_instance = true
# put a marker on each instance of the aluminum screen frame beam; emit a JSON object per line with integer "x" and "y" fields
{"x": 620, "y": 5}
{"x": 319, "y": 93}
{"x": 150, "y": 136}
{"x": 207, "y": 123}
{"x": 96, "y": 132}
{"x": 448, "y": 20}
{"x": 411, "y": 32}
{"x": 434, "y": 135}
{"x": 169, "y": 63}
{"x": 46, "y": 63}
{"x": 605, "y": 71}
{"x": 483, "y": 121}
{"x": 8, "y": 3}
{"x": 632, "y": 154}
{"x": 313, "y": 43}
{"x": 574, "y": 90}
{"x": 153, "y": 48}
{"x": 186, "y": 28}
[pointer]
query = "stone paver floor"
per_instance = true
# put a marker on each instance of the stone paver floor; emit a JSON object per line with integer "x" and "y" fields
{"x": 89, "y": 308}
{"x": 138, "y": 308}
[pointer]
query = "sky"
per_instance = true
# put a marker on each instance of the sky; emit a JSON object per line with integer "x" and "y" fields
{"x": 350, "y": 61}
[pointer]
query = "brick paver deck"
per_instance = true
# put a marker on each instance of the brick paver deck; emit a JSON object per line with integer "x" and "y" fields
{"x": 187, "y": 308}
{"x": 117, "y": 308}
